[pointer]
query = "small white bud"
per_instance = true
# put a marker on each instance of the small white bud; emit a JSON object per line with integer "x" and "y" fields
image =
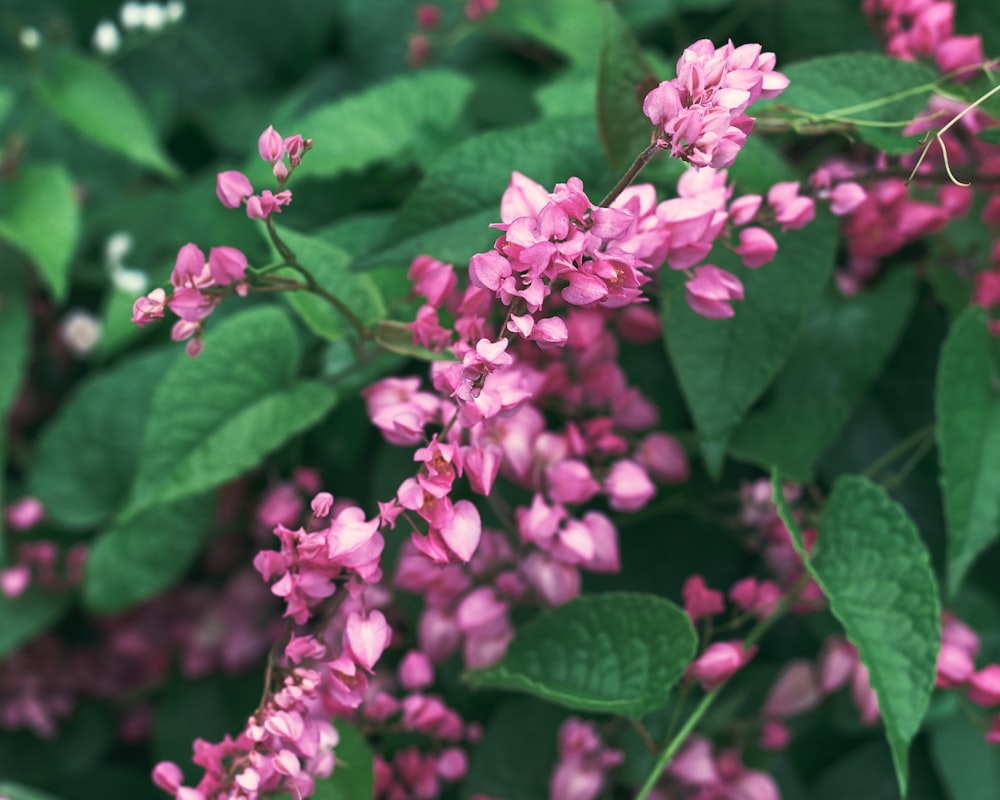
{"x": 80, "y": 331}
{"x": 106, "y": 38}
{"x": 30, "y": 38}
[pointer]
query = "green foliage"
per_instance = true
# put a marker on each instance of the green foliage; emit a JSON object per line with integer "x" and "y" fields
{"x": 724, "y": 366}
{"x": 215, "y": 416}
{"x": 40, "y": 216}
{"x": 968, "y": 435}
{"x": 13, "y": 791}
{"x": 968, "y": 766}
{"x": 570, "y": 27}
{"x": 328, "y": 264}
{"x": 875, "y": 572}
{"x": 23, "y": 618}
{"x": 386, "y": 121}
{"x": 449, "y": 212}
{"x": 877, "y": 95}
{"x": 614, "y": 653}
{"x": 623, "y": 80}
{"x": 353, "y": 776}
{"x": 88, "y": 454}
{"x": 514, "y": 759}
{"x": 146, "y": 553}
{"x": 842, "y": 347}
{"x": 95, "y": 101}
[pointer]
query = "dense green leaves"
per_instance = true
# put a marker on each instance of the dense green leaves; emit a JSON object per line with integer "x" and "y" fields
{"x": 13, "y": 791}
{"x": 969, "y": 766}
{"x": 623, "y": 80}
{"x": 328, "y": 263}
{"x": 87, "y": 456}
{"x": 382, "y": 122}
{"x": 877, "y": 95}
{"x": 570, "y": 27}
{"x": 875, "y": 571}
{"x": 723, "y": 366}
{"x": 615, "y": 653}
{"x": 515, "y": 756}
{"x": 95, "y": 101}
{"x": 215, "y": 416}
{"x": 448, "y": 214}
{"x": 968, "y": 435}
{"x": 145, "y": 554}
{"x": 40, "y": 216}
{"x": 23, "y": 618}
{"x": 841, "y": 349}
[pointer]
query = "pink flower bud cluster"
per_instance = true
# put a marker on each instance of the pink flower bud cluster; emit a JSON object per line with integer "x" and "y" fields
{"x": 772, "y": 539}
{"x": 39, "y": 556}
{"x": 802, "y": 685}
{"x": 288, "y": 742}
{"x": 956, "y": 669}
{"x": 597, "y": 256}
{"x": 234, "y": 189}
{"x": 584, "y": 760}
{"x": 750, "y": 596}
{"x": 428, "y": 18}
{"x": 196, "y": 285}
{"x": 915, "y": 29}
{"x": 413, "y": 772}
{"x": 699, "y": 116}
{"x": 700, "y": 773}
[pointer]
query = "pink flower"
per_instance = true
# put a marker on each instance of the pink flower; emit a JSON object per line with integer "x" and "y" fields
{"x": 428, "y": 15}
{"x": 699, "y": 600}
{"x": 954, "y": 667}
{"x": 150, "y": 307}
{"x": 846, "y": 197}
{"x": 791, "y": 209}
{"x": 757, "y": 247}
{"x": 24, "y": 514}
{"x": 232, "y": 188}
{"x": 795, "y": 690}
{"x": 664, "y": 458}
{"x": 366, "y": 637}
{"x": 270, "y": 145}
{"x": 627, "y": 486}
{"x": 719, "y": 662}
{"x": 984, "y": 686}
{"x": 711, "y": 291}
{"x": 227, "y": 265}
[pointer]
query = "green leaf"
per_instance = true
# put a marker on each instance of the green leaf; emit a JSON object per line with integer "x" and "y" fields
{"x": 842, "y": 347}
{"x": 328, "y": 265}
{"x": 145, "y": 554}
{"x": 398, "y": 338}
{"x": 724, "y": 365}
{"x": 874, "y": 570}
{"x": 95, "y": 101}
{"x": 968, "y": 436}
{"x": 14, "y": 334}
{"x": 461, "y": 193}
{"x": 219, "y": 414}
{"x": 880, "y": 95}
{"x": 30, "y": 614}
{"x": 382, "y": 122}
{"x": 40, "y": 216}
{"x": 989, "y": 135}
{"x": 616, "y": 653}
{"x": 14, "y": 791}
{"x": 7, "y": 98}
{"x": 354, "y": 776}
{"x": 570, "y": 27}
{"x": 515, "y": 756}
{"x": 624, "y": 78}
{"x": 87, "y": 455}
{"x": 968, "y": 766}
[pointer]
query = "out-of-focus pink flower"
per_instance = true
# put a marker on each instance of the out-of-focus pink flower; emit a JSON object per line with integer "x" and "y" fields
{"x": 24, "y": 514}
{"x": 232, "y": 188}
{"x": 699, "y": 600}
{"x": 984, "y": 686}
{"x": 719, "y": 662}
{"x": 795, "y": 690}
{"x": 757, "y": 247}
{"x": 711, "y": 291}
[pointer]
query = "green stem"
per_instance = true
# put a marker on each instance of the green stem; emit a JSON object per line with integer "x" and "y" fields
{"x": 681, "y": 736}
{"x": 637, "y": 166}
{"x": 894, "y": 452}
{"x": 311, "y": 285}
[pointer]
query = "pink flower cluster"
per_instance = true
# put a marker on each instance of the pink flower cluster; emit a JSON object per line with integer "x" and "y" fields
{"x": 699, "y": 116}
{"x": 413, "y": 772}
{"x": 601, "y": 257}
{"x": 956, "y": 669}
{"x": 288, "y": 742}
{"x": 429, "y": 16}
{"x": 196, "y": 291}
{"x": 915, "y": 29}
{"x": 699, "y": 773}
{"x": 584, "y": 761}
{"x": 234, "y": 189}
